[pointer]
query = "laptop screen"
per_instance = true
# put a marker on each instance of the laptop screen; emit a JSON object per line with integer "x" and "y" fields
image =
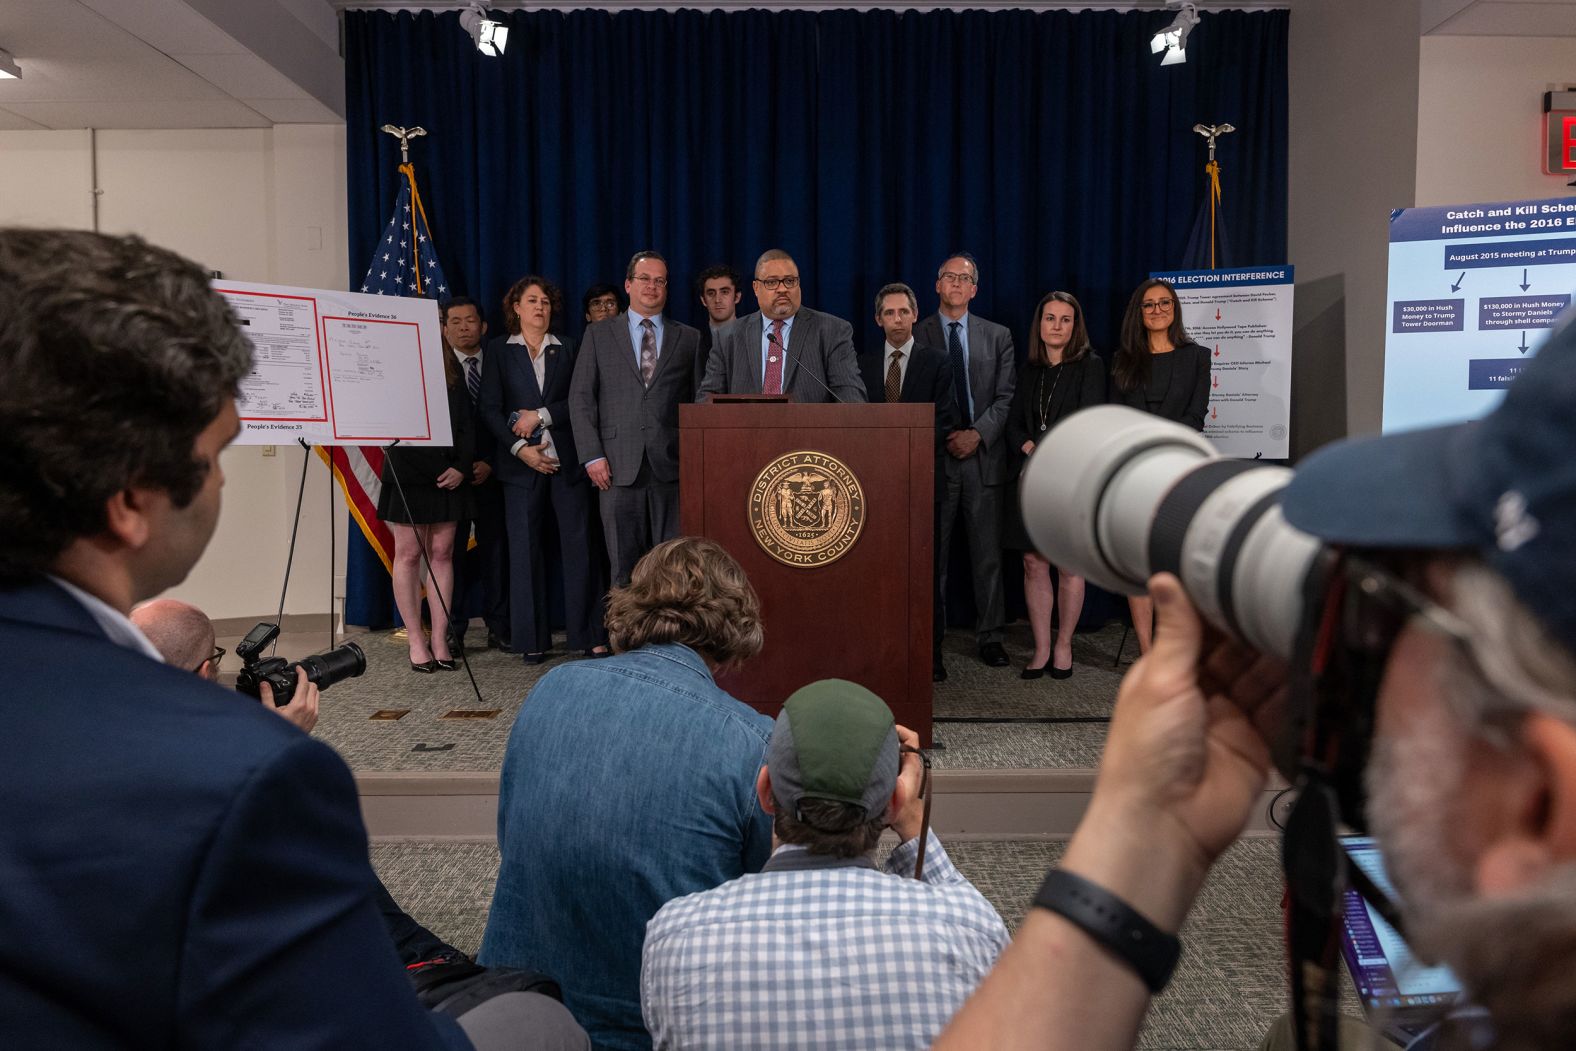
{"x": 1383, "y": 968}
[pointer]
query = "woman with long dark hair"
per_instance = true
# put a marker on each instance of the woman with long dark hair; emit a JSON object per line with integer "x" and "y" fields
{"x": 1061, "y": 375}
{"x": 1159, "y": 370}
{"x": 425, "y": 493}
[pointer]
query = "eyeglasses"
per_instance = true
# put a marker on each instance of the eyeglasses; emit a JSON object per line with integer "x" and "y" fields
{"x": 213, "y": 658}
{"x": 772, "y": 284}
{"x": 647, "y": 279}
{"x": 1156, "y": 306}
{"x": 947, "y": 277}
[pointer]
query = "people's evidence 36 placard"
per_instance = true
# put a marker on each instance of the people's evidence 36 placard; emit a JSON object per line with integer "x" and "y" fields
{"x": 339, "y": 368}
{"x": 1474, "y": 290}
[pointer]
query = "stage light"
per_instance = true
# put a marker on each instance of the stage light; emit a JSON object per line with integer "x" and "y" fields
{"x": 9, "y": 70}
{"x": 490, "y": 36}
{"x": 1173, "y": 39}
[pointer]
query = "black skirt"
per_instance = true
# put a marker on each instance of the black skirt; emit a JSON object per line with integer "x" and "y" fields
{"x": 418, "y": 473}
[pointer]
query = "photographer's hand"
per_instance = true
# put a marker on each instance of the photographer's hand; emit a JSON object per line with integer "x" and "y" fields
{"x": 908, "y": 821}
{"x": 1183, "y": 766}
{"x": 302, "y": 709}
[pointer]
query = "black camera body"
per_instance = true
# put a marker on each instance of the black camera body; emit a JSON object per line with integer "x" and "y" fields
{"x": 322, "y": 669}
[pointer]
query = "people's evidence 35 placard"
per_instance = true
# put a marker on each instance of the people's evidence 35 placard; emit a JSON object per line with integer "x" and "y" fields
{"x": 1474, "y": 291}
{"x": 339, "y": 368}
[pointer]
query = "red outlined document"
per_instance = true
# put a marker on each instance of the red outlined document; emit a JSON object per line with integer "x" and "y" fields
{"x": 339, "y": 368}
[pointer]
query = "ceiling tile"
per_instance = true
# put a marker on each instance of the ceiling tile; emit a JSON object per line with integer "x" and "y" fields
{"x": 16, "y": 122}
{"x": 295, "y": 111}
{"x": 180, "y": 113}
{"x": 243, "y": 76}
{"x": 168, "y": 26}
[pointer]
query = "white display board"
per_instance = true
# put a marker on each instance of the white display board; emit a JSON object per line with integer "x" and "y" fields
{"x": 1474, "y": 291}
{"x": 339, "y": 368}
{"x": 1243, "y": 318}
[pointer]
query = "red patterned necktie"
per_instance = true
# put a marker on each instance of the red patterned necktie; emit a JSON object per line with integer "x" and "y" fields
{"x": 773, "y": 381}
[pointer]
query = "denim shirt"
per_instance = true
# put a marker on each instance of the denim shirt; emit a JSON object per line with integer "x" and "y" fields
{"x": 627, "y": 782}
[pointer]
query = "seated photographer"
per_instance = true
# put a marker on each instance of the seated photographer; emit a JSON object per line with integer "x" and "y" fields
{"x": 820, "y": 944}
{"x": 1458, "y": 589}
{"x": 181, "y": 870}
{"x": 628, "y": 782}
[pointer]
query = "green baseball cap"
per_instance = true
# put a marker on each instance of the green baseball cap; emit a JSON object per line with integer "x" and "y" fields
{"x": 834, "y": 740}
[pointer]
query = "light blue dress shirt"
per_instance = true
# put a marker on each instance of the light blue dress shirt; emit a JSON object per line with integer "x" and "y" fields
{"x": 963, "y": 338}
{"x": 766, "y": 343}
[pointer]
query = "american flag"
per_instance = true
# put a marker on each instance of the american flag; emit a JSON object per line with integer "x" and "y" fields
{"x": 403, "y": 264}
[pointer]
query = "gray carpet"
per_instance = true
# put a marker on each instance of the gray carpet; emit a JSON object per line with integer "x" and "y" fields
{"x": 423, "y": 740}
{"x": 1228, "y": 988}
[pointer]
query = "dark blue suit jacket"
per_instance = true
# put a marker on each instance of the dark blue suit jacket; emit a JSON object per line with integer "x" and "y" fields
{"x": 178, "y": 867}
{"x": 927, "y": 379}
{"x": 509, "y": 384}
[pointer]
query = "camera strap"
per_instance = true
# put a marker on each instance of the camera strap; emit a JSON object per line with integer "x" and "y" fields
{"x": 1315, "y": 872}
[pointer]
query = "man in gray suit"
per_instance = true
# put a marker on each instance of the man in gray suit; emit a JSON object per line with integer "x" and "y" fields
{"x": 633, "y": 371}
{"x": 785, "y": 348}
{"x": 984, "y": 373}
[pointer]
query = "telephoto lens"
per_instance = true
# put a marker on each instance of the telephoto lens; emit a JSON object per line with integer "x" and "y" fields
{"x": 1116, "y": 495}
{"x": 340, "y": 663}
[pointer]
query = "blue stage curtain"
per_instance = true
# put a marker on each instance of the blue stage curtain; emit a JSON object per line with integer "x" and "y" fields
{"x": 869, "y": 144}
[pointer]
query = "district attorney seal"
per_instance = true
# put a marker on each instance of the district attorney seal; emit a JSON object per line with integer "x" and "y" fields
{"x": 806, "y": 509}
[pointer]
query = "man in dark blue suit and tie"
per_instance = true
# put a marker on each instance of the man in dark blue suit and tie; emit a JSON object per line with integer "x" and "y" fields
{"x": 906, "y": 370}
{"x": 181, "y": 868}
{"x": 482, "y": 571}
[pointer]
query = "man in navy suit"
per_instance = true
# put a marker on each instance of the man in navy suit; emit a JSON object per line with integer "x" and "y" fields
{"x": 905, "y": 370}
{"x": 487, "y": 564}
{"x": 525, "y": 404}
{"x": 181, "y": 868}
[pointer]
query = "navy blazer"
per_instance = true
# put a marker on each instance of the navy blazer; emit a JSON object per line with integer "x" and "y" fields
{"x": 509, "y": 384}
{"x": 927, "y": 379}
{"x": 180, "y": 868}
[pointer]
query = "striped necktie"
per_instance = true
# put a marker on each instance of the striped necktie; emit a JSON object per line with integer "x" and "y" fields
{"x": 473, "y": 378}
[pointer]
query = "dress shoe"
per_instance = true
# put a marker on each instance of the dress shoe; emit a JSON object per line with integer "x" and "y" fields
{"x": 496, "y": 643}
{"x": 938, "y": 672}
{"x": 426, "y": 667}
{"x": 535, "y": 658}
{"x": 1035, "y": 673}
{"x": 449, "y": 665}
{"x": 598, "y": 653}
{"x": 1061, "y": 673}
{"x": 993, "y": 656}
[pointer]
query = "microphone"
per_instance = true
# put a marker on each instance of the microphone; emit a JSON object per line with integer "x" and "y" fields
{"x": 771, "y": 337}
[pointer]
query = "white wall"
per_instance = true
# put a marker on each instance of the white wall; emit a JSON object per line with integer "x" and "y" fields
{"x": 1480, "y": 117}
{"x": 258, "y": 205}
{"x": 1352, "y": 75}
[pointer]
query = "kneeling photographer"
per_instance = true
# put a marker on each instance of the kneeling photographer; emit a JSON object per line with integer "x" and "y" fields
{"x": 1417, "y": 603}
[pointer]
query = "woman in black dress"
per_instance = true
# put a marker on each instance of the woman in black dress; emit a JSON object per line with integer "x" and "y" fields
{"x": 1159, "y": 370}
{"x": 436, "y": 496}
{"x": 1061, "y": 375}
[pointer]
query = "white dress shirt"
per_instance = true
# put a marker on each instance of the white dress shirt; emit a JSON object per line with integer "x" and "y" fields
{"x": 539, "y": 366}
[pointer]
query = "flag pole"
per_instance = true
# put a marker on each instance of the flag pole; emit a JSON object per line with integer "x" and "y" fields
{"x": 1212, "y": 134}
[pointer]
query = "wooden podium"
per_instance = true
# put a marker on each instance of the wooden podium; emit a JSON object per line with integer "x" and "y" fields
{"x": 858, "y": 610}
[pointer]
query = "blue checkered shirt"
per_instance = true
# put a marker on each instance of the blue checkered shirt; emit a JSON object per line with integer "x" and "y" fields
{"x": 840, "y": 958}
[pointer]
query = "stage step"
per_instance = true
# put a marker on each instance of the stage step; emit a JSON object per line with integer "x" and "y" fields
{"x": 970, "y": 804}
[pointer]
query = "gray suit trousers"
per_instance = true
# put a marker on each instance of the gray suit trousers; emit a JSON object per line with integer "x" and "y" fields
{"x": 981, "y": 508}
{"x": 636, "y": 518}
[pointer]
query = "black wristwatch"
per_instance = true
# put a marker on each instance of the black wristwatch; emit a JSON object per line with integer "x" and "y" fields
{"x": 1114, "y": 924}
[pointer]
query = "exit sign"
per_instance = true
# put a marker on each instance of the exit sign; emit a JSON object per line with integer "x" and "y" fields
{"x": 1559, "y": 132}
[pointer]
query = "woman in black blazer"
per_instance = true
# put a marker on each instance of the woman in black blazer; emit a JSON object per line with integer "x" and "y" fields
{"x": 1061, "y": 375}
{"x": 1159, "y": 370}
{"x": 425, "y": 493}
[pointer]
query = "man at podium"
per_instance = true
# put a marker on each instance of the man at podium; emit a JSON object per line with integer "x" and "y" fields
{"x": 785, "y": 348}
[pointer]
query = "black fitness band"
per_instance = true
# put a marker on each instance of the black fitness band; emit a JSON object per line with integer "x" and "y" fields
{"x": 1114, "y": 924}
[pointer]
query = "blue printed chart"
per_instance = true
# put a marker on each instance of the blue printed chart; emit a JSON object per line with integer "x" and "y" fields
{"x": 1474, "y": 291}
{"x": 1243, "y": 317}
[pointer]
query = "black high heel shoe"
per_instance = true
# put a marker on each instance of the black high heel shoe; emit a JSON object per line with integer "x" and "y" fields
{"x": 1060, "y": 673}
{"x": 425, "y": 668}
{"x": 1035, "y": 673}
{"x": 449, "y": 665}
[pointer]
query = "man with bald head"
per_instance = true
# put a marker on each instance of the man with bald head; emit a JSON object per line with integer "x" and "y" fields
{"x": 785, "y": 347}
{"x": 181, "y": 633}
